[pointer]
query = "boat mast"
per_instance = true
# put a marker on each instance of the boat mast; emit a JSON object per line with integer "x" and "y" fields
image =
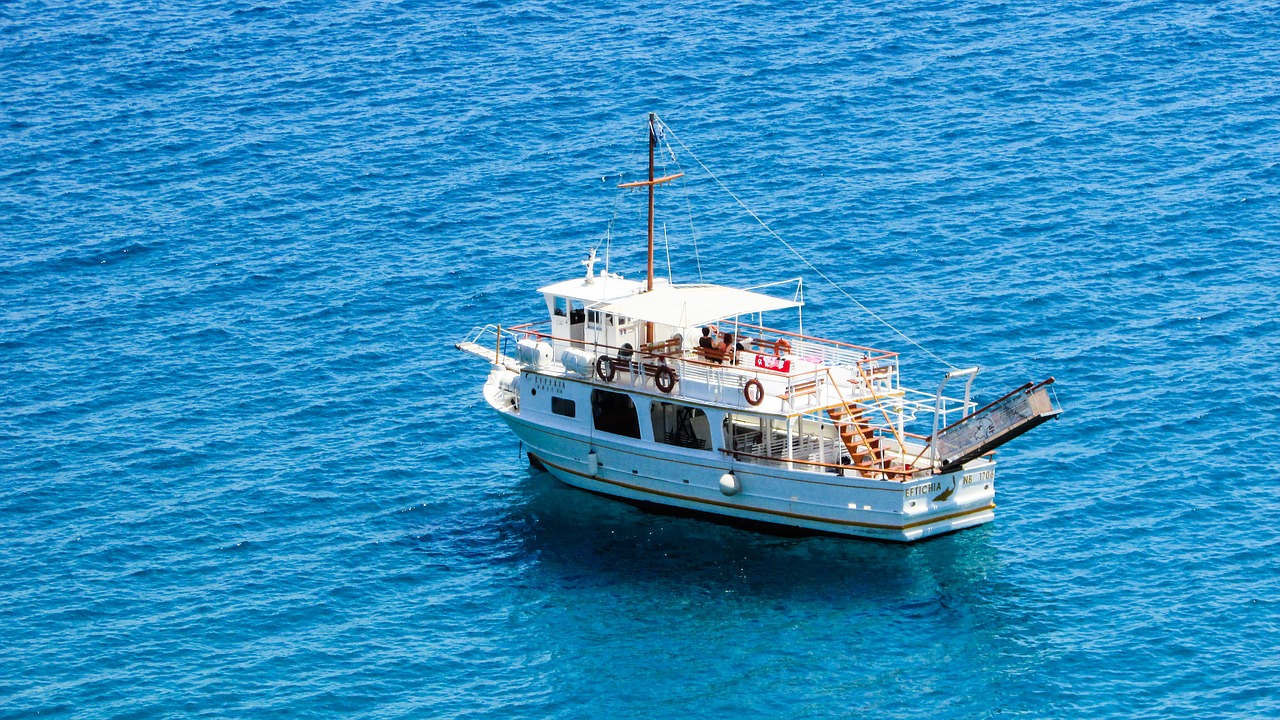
{"x": 650, "y": 183}
{"x": 653, "y": 142}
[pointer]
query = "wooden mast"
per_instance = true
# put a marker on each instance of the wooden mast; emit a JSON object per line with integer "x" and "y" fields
{"x": 653, "y": 142}
{"x": 650, "y": 183}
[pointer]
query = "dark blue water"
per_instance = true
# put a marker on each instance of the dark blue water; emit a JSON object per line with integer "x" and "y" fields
{"x": 243, "y": 472}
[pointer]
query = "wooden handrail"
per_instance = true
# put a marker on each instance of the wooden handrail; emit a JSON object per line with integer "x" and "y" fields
{"x": 681, "y": 356}
{"x": 884, "y": 413}
{"x": 884, "y": 353}
{"x": 815, "y": 463}
{"x": 879, "y": 354}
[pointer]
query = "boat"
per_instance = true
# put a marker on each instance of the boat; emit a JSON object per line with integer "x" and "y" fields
{"x": 623, "y": 389}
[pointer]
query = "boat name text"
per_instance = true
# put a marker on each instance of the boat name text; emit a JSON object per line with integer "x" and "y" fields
{"x": 922, "y": 489}
{"x": 545, "y": 383}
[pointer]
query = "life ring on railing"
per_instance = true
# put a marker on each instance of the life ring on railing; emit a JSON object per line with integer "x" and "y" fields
{"x": 605, "y": 369}
{"x": 753, "y": 397}
{"x": 665, "y": 378}
{"x": 781, "y": 347}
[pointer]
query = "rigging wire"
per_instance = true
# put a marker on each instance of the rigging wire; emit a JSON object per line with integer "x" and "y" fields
{"x": 608, "y": 232}
{"x": 667, "y": 242}
{"x": 795, "y": 252}
{"x": 684, "y": 190}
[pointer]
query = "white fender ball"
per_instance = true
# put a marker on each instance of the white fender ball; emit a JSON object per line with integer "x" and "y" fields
{"x": 729, "y": 484}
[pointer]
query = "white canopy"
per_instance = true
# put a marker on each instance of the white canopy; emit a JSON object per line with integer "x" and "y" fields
{"x": 688, "y": 306}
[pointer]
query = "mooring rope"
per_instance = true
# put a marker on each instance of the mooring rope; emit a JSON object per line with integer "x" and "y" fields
{"x": 803, "y": 259}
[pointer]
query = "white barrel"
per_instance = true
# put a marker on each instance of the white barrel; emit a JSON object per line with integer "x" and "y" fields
{"x": 533, "y": 353}
{"x": 578, "y": 361}
{"x": 509, "y": 382}
{"x": 729, "y": 484}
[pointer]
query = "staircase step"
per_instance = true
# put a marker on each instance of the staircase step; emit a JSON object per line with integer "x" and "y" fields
{"x": 858, "y": 436}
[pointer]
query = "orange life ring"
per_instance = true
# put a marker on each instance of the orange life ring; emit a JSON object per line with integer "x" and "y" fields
{"x": 753, "y": 398}
{"x": 780, "y": 347}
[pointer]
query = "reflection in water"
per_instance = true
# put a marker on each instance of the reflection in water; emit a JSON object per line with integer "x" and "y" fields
{"x": 607, "y": 588}
{"x": 577, "y": 535}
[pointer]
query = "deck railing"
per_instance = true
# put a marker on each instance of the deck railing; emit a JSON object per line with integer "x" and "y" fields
{"x": 873, "y": 384}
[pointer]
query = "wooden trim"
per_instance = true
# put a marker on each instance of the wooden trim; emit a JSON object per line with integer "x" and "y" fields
{"x": 815, "y": 463}
{"x": 626, "y": 450}
{"x": 883, "y": 353}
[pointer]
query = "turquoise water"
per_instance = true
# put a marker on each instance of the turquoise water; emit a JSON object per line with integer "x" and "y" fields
{"x": 243, "y": 471}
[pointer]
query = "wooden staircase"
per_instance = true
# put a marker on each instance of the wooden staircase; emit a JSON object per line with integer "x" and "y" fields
{"x": 859, "y": 437}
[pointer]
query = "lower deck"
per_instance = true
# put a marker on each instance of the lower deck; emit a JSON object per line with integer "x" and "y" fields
{"x": 837, "y": 440}
{"x": 646, "y": 448}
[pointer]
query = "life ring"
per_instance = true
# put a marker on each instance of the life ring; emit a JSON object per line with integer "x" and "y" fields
{"x": 665, "y": 378}
{"x": 753, "y": 397}
{"x": 605, "y": 368}
{"x": 781, "y": 347}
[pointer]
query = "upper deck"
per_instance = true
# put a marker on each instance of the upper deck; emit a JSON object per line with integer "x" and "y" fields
{"x": 606, "y": 330}
{"x": 777, "y": 373}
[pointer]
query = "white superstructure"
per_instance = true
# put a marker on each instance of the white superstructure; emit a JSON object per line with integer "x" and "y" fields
{"x": 615, "y": 393}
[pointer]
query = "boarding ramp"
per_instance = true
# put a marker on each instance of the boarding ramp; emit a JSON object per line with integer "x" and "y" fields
{"x": 993, "y": 425}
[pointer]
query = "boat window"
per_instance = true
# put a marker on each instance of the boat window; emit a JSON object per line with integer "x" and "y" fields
{"x": 577, "y": 312}
{"x": 562, "y": 307}
{"x": 680, "y": 425}
{"x": 563, "y": 406}
{"x": 608, "y": 318}
{"x": 593, "y": 318}
{"x": 614, "y": 413}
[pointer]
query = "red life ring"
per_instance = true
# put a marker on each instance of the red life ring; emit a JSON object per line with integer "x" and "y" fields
{"x": 755, "y": 397}
{"x": 780, "y": 347}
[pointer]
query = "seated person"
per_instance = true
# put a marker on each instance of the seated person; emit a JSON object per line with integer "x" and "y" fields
{"x": 711, "y": 342}
{"x": 705, "y": 341}
{"x": 731, "y": 347}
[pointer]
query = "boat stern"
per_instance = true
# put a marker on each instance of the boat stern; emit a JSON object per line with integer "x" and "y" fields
{"x": 944, "y": 503}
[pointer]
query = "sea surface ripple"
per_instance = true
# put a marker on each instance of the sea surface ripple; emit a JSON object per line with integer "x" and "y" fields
{"x": 243, "y": 472}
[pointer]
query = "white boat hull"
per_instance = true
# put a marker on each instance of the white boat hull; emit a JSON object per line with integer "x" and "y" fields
{"x": 683, "y": 479}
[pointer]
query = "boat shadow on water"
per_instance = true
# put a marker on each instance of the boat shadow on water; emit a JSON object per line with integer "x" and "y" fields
{"x": 582, "y": 538}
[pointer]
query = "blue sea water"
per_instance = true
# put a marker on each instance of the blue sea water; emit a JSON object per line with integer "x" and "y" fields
{"x": 243, "y": 471}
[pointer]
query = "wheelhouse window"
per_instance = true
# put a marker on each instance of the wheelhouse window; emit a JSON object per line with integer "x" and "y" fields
{"x": 680, "y": 425}
{"x": 613, "y": 412}
{"x": 562, "y": 307}
{"x": 563, "y": 406}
